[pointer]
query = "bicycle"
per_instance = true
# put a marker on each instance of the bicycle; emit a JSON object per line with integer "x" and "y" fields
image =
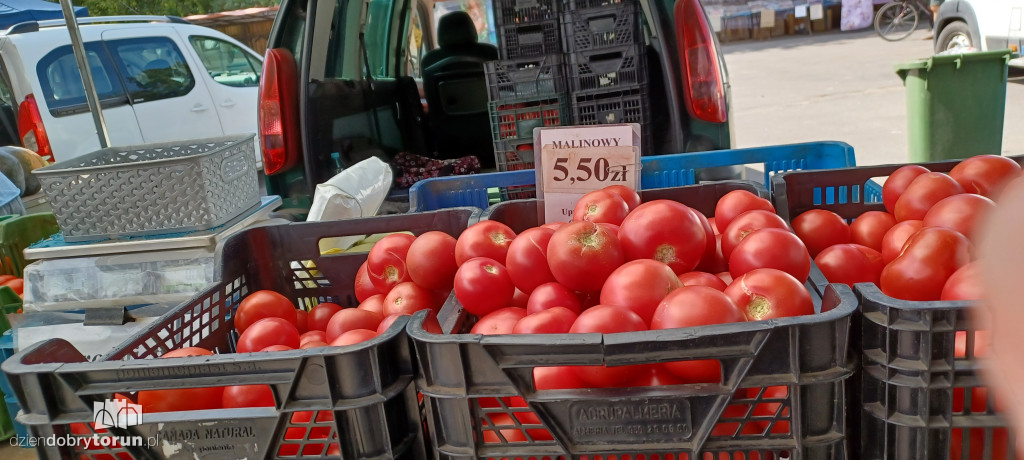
{"x": 898, "y": 19}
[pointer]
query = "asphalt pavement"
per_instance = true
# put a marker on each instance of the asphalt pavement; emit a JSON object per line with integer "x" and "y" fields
{"x": 837, "y": 86}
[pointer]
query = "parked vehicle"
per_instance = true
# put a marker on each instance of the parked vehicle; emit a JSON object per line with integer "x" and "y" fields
{"x": 984, "y": 25}
{"x": 158, "y": 79}
{"x": 342, "y": 82}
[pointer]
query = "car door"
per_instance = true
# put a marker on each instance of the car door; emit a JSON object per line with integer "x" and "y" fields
{"x": 232, "y": 74}
{"x": 170, "y": 102}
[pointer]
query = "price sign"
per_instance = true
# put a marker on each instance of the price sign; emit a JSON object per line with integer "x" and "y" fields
{"x": 578, "y": 160}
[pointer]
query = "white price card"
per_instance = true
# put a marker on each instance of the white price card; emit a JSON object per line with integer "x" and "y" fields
{"x": 800, "y": 11}
{"x": 577, "y": 160}
{"x": 817, "y": 11}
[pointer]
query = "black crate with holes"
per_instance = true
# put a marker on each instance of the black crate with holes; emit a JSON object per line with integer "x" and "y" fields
{"x": 918, "y": 394}
{"x": 608, "y": 68}
{"x": 512, "y": 12}
{"x": 607, "y": 26}
{"x": 357, "y": 401}
{"x": 525, "y": 78}
{"x": 625, "y": 105}
{"x": 782, "y": 392}
{"x": 578, "y": 5}
{"x": 529, "y": 40}
{"x": 516, "y": 119}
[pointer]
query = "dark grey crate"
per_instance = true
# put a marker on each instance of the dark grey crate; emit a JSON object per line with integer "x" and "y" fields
{"x": 625, "y": 105}
{"x": 152, "y": 189}
{"x": 525, "y": 78}
{"x": 604, "y": 69}
{"x": 605, "y": 26}
{"x": 529, "y": 40}
{"x": 798, "y": 365}
{"x": 513, "y": 12}
{"x": 516, "y": 119}
{"x": 362, "y": 396}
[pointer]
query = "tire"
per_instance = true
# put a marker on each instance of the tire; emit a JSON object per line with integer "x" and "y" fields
{"x": 896, "y": 21}
{"x": 955, "y": 35}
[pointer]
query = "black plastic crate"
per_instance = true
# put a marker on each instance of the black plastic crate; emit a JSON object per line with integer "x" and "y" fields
{"x": 797, "y": 365}
{"x": 513, "y": 12}
{"x": 606, "y": 69}
{"x": 535, "y": 39}
{"x": 516, "y": 119}
{"x": 515, "y": 155}
{"x": 525, "y": 78}
{"x": 607, "y": 26}
{"x": 362, "y": 396}
{"x": 911, "y": 374}
{"x": 627, "y": 105}
{"x": 577, "y": 5}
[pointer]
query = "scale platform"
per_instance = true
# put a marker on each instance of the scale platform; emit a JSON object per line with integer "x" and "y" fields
{"x": 56, "y": 248}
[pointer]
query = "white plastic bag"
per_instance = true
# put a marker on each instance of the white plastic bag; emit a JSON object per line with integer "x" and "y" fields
{"x": 355, "y": 192}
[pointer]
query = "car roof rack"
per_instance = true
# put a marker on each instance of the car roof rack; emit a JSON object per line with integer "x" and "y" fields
{"x": 34, "y": 26}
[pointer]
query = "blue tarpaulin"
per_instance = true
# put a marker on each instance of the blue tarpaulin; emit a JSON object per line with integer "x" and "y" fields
{"x": 16, "y": 11}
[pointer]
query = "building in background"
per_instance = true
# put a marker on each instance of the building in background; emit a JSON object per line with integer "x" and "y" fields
{"x": 250, "y": 26}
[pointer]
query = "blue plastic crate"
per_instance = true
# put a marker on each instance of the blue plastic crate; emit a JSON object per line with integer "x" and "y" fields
{"x": 10, "y": 198}
{"x": 21, "y": 431}
{"x": 657, "y": 172}
{"x": 6, "y": 351}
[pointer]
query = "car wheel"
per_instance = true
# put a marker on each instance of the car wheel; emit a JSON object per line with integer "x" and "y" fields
{"x": 955, "y": 36}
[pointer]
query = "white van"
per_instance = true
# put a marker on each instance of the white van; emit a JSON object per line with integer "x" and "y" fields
{"x": 159, "y": 79}
{"x": 981, "y": 24}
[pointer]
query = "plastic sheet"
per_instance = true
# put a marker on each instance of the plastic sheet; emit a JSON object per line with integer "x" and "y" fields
{"x": 355, "y": 192}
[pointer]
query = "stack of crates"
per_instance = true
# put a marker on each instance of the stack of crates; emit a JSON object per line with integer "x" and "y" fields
{"x": 606, "y": 57}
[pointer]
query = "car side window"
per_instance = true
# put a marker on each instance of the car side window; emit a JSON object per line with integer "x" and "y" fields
{"x": 154, "y": 68}
{"x": 62, "y": 82}
{"x": 8, "y": 111}
{"x": 226, "y": 63}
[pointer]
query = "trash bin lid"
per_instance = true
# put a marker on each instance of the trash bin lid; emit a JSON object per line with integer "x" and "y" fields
{"x": 958, "y": 59}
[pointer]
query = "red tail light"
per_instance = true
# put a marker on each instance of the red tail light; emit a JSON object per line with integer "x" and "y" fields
{"x": 279, "y": 112}
{"x": 31, "y": 130}
{"x": 698, "y": 58}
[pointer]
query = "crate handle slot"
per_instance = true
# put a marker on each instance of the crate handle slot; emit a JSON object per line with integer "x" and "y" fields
{"x": 531, "y": 35}
{"x": 602, "y": 24}
{"x": 606, "y": 62}
{"x": 234, "y": 165}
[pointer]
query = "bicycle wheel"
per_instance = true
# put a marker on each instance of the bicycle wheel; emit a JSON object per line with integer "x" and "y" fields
{"x": 896, "y": 21}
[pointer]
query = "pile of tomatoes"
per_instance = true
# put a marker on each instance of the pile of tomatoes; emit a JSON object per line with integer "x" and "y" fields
{"x": 920, "y": 248}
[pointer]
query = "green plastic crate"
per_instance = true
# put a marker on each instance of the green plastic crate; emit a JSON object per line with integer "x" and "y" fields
{"x": 18, "y": 233}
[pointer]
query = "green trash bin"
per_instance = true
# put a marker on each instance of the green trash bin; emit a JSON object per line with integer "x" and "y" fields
{"x": 955, "y": 105}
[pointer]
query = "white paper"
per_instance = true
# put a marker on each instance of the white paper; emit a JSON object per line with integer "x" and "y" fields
{"x": 716, "y": 21}
{"x": 767, "y": 18}
{"x": 817, "y": 11}
{"x": 355, "y": 192}
{"x": 801, "y": 11}
{"x": 92, "y": 341}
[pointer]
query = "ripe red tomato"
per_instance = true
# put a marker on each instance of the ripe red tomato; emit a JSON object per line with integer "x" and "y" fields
{"x": 350, "y": 319}
{"x": 702, "y": 279}
{"x": 600, "y": 206}
{"x": 767, "y": 293}
{"x": 556, "y": 378}
{"x": 430, "y": 323}
{"x": 964, "y": 284}
{"x": 312, "y": 344}
{"x": 923, "y": 193}
{"x": 588, "y": 299}
{"x": 737, "y": 202}
{"x": 959, "y": 212}
{"x": 302, "y": 320}
{"x": 985, "y": 175}
{"x": 607, "y": 319}
{"x": 747, "y": 223}
{"x": 373, "y": 304}
{"x": 717, "y": 261}
{"x": 431, "y": 260}
{"x": 521, "y": 299}
{"x": 321, "y": 314}
{"x": 557, "y": 320}
{"x": 581, "y": 255}
{"x": 928, "y": 259}
{"x": 897, "y": 183}
{"x": 627, "y": 194}
{"x": 312, "y": 335}
{"x": 691, "y": 306}
{"x": 771, "y": 248}
{"x": 639, "y": 285}
{"x": 277, "y": 348}
{"x": 488, "y": 238}
{"x": 896, "y": 237}
{"x": 850, "y": 264}
{"x": 385, "y": 265}
{"x": 183, "y": 399}
{"x": 550, "y": 295}
{"x": 501, "y": 321}
{"x": 819, "y": 229}
{"x": 665, "y": 231}
{"x": 17, "y": 285}
{"x": 772, "y": 409}
{"x": 714, "y": 225}
{"x": 527, "y": 259}
{"x": 237, "y": 396}
{"x": 353, "y": 337}
{"x": 711, "y": 244}
{"x": 482, "y": 285}
{"x": 870, "y": 228}
{"x": 408, "y": 298}
{"x": 263, "y": 304}
{"x": 554, "y": 225}
{"x": 5, "y": 278}
{"x": 267, "y": 332}
{"x": 364, "y": 287}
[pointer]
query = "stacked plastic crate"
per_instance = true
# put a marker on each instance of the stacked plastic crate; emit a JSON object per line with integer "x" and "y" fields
{"x": 607, "y": 62}
{"x": 527, "y": 87}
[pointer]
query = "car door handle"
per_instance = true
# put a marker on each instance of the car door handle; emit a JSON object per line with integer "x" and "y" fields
{"x": 199, "y": 108}
{"x": 227, "y": 103}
